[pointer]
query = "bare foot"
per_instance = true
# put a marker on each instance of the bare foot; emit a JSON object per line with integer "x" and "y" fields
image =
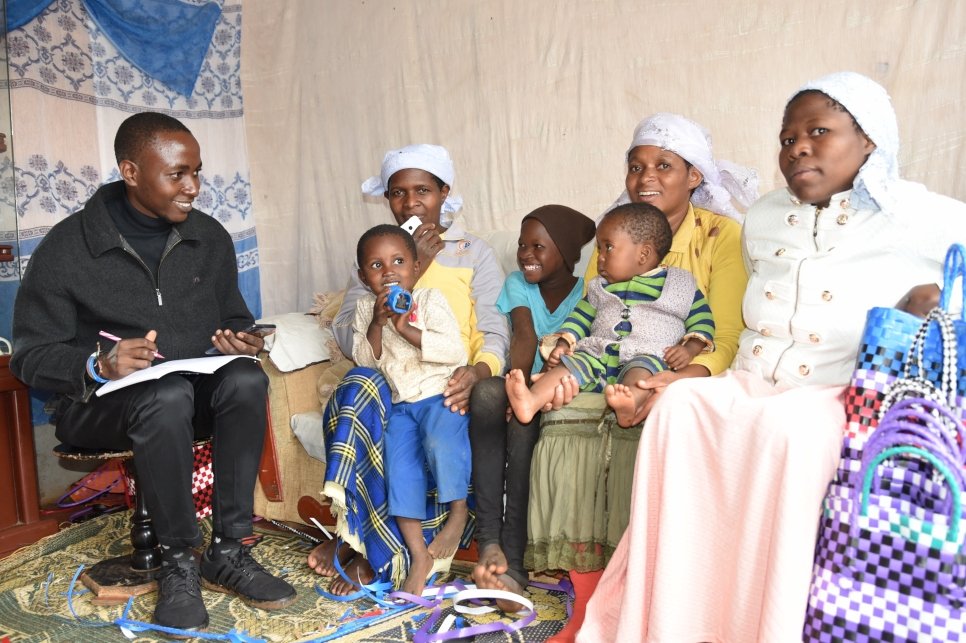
{"x": 422, "y": 564}
{"x": 626, "y": 402}
{"x": 491, "y": 554}
{"x": 361, "y": 573}
{"x": 320, "y": 559}
{"x": 447, "y": 540}
{"x": 521, "y": 400}
{"x": 490, "y": 573}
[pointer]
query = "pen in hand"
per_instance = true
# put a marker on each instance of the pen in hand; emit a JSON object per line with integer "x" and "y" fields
{"x": 115, "y": 338}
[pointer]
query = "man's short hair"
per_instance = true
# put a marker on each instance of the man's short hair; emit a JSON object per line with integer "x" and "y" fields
{"x": 140, "y": 130}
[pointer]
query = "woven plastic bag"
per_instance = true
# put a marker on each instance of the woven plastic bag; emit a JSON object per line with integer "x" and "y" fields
{"x": 891, "y": 555}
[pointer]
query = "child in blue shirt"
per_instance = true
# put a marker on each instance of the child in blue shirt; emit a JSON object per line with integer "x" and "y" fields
{"x": 538, "y": 299}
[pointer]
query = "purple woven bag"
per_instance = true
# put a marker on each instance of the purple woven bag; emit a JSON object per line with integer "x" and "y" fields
{"x": 890, "y": 561}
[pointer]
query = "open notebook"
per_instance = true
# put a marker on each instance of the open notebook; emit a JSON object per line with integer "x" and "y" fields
{"x": 194, "y": 365}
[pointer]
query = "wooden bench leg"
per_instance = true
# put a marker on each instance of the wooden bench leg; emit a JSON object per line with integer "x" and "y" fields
{"x": 115, "y": 580}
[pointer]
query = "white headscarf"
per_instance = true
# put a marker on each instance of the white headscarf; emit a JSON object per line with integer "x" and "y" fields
{"x": 723, "y": 182}
{"x": 869, "y": 104}
{"x": 430, "y": 158}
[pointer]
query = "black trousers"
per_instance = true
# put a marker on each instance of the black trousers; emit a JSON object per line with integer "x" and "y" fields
{"x": 160, "y": 420}
{"x": 501, "y": 463}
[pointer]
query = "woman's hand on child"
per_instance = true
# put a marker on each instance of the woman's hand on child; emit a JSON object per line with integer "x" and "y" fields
{"x": 456, "y": 395}
{"x": 660, "y": 381}
{"x": 920, "y": 300}
{"x": 563, "y": 394}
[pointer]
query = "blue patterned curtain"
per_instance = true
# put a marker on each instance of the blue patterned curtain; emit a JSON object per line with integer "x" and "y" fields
{"x": 70, "y": 90}
{"x": 166, "y": 39}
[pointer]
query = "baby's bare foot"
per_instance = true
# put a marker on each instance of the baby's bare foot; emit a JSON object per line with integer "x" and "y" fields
{"x": 521, "y": 400}
{"x": 621, "y": 399}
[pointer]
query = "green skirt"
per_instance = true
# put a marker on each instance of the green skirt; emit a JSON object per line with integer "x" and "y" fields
{"x": 580, "y": 486}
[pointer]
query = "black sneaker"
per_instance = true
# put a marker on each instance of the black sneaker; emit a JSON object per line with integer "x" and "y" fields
{"x": 228, "y": 567}
{"x": 179, "y": 596}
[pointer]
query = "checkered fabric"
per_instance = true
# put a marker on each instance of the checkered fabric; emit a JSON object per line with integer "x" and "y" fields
{"x": 202, "y": 479}
{"x": 871, "y": 583}
{"x": 897, "y": 571}
{"x": 354, "y": 421}
{"x": 881, "y": 359}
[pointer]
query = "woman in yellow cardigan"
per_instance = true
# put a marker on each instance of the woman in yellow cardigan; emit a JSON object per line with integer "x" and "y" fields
{"x": 669, "y": 165}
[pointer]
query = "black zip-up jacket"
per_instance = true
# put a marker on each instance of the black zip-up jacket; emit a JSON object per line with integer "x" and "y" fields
{"x": 84, "y": 277}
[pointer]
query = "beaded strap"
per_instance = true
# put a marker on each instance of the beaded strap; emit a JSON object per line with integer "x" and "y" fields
{"x": 917, "y": 385}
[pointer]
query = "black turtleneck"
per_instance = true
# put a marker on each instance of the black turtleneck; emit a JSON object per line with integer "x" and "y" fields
{"x": 147, "y": 235}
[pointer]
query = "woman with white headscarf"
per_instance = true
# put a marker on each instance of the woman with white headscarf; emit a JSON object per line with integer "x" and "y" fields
{"x": 670, "y": 165}
{"x": 415, "y": 180}
{"x": 731, "y": 471}
{"x": 573, "y": 523}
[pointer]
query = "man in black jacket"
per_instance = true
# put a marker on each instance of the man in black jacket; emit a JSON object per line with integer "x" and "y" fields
{"x": 139, "y": 262}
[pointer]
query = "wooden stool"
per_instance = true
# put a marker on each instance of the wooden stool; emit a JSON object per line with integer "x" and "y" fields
{"x": 115, "y": 580}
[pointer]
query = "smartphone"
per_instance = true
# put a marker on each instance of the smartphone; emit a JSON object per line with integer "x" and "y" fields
{"x": 258, "y": 330}
{"x": 411, "y": 224}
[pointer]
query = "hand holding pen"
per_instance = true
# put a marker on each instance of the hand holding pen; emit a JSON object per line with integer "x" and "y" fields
{"x": 128, "y": 355}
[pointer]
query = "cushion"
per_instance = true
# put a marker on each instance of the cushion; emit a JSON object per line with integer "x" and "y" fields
{"x": 308, "y": 429}
{"x": 297, "y": 341}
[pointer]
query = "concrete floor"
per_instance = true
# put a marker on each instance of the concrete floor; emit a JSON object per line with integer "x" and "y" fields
{"x": 55, "y": 475}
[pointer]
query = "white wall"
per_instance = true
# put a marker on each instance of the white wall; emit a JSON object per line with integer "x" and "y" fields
{"x": 537, "y": 99}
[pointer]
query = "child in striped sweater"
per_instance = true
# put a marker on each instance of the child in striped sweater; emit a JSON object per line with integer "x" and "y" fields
{"x": 637, "y": 319}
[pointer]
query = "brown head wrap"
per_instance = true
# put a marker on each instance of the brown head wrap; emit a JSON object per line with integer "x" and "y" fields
{"x": 569, "y": 229}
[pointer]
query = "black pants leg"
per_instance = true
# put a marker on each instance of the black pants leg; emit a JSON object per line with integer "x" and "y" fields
{"x": 521, "y": 439}
{"x": 501, "y": 463}
{"x": 159, "y": 420}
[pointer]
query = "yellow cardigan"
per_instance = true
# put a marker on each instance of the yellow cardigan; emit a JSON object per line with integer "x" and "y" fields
{"x": 708, "y": 245}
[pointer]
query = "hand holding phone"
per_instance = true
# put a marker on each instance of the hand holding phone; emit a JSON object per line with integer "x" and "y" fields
{"x": 410, "y": 224}
{"x": 258, "y": 330}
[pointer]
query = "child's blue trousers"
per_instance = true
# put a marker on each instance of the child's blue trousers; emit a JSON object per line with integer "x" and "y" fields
{"x": 419, "y": 434}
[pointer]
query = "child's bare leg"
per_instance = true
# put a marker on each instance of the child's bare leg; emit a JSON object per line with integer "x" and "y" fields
{"x": 527, "y": 402}
{"x": 627, "y": 400}
{"x": 422, "y": 562}
{"x": 447, "y": 539}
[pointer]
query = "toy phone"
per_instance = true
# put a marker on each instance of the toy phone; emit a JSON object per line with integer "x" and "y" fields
{"x": 399, "y": 300}
{"x": 411, "y": 224}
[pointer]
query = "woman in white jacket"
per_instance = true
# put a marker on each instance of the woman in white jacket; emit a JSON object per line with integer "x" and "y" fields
{"x": 731, "y": 470}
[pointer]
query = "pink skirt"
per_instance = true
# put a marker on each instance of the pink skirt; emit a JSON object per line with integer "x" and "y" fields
{"x": 728, "y": 487}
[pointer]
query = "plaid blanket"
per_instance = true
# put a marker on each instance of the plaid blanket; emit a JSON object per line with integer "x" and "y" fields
{"x": 355, "y": 420}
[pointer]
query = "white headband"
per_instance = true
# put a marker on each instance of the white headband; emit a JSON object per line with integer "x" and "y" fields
{"x": 869, "y": 104}
{"x": 723, "y": 182}
{"x": 430, "y": 158}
